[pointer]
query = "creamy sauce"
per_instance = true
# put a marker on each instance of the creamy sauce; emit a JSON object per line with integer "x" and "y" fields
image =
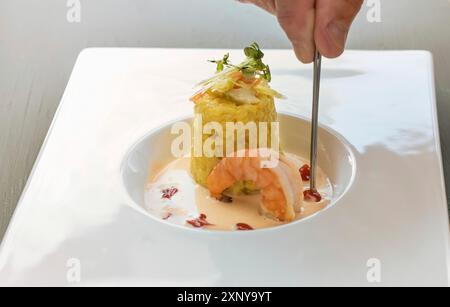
{"x": 190, "y": 200}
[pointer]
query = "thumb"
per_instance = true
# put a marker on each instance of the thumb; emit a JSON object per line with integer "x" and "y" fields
{"x": 333, "y": 21}
{"x": 296, "y": 17}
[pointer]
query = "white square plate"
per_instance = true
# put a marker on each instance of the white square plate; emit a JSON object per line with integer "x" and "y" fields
{"x": 73, "y": 214}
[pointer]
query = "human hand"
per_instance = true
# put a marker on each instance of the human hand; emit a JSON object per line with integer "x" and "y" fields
{"x": 313, "y": 23}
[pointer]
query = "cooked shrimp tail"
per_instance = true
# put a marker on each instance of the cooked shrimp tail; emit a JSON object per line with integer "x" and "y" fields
{"x": 281, "y": 186}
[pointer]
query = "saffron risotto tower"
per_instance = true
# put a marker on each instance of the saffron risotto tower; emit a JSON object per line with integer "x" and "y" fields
{"x": 235, "y": 94}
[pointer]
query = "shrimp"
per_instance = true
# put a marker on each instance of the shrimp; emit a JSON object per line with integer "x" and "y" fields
{"x": 281, "y": 187}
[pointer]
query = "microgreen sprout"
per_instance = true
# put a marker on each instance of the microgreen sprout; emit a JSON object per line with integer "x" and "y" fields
{"x": 250, "y": 67}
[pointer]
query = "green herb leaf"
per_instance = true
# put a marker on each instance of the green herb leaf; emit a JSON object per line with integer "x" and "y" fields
{"x": 267, "y": 74}
{"x": 253, "y": 51}
{"x": 221, "y": 63}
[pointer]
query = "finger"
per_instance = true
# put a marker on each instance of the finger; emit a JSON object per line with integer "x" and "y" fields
{"x": 268, "y": 5}
{"x": 333, "y": 21}
{"x": 296, "y": 17}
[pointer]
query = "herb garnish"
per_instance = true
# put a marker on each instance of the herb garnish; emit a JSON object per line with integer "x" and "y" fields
{"x": 252, "y": 66}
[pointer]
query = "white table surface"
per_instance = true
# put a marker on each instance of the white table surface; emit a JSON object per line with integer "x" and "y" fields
{"x": 73, "y": 206}
{"x": 38, "y": 48}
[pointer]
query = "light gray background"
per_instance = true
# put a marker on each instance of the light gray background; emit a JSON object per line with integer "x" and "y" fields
{"x": 38, "y": 48}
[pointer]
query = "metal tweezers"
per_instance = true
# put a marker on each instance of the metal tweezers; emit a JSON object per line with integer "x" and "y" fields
{"x": 314, "y": 119}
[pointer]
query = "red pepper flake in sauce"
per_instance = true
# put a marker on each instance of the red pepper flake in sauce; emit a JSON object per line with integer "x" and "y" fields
{"x": 169, "y": 193}
{"x": 225, "y": 199}
{"x": 243, "y": 226}
{"x": 312, "y": 195}
{"x": 199, "y": 222}
{"x": 305, "y": 172}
